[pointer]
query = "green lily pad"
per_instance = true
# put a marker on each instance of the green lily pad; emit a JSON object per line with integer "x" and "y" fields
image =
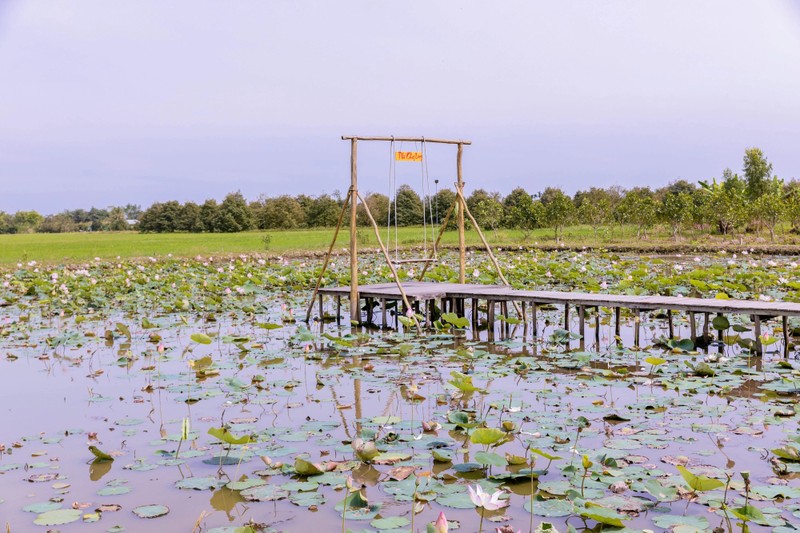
{"x": 58, "y": 517}
{"x": 151, "y": 511}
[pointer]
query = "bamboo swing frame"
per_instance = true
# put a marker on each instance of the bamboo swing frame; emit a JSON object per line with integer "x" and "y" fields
{"x": 353, "y": 197}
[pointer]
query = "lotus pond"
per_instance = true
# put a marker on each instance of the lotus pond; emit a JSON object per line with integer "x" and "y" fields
{"x": 182, "y": 394}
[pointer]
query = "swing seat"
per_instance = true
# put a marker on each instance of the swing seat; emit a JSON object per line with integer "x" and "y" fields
{"x": 417, "y": 260}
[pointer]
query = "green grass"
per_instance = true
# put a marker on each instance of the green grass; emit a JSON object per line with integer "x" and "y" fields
{"x": 76, "y": 247}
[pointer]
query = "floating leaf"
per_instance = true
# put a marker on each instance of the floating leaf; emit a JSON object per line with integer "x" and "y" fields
{"x": 487, "y": 436}
{"x": 462, "y": 382}
{"x": 58, "y": 517}
{"x": 100, "y": 455}
{"x": 151, "y": 511}
{"x": 226, "y": 436}
{"x": 305, "y": 468}
{"x": 701, "y": 483}
{"x": 201, "y": 338}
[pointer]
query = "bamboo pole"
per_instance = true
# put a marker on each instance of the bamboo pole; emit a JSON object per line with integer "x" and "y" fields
{"x": 327, "y": 259}
{"x": 404, "y": 139}
{"x": 355, "y": 313}
{"x": 486, "y": 245}
{"x": 389, "y": 261}
{"x": 462, "y": 241}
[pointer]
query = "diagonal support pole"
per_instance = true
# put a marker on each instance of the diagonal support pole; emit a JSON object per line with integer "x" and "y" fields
{"x": 389, "y": 261}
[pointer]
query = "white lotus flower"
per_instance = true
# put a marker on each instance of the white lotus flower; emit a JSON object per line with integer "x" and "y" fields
{"x": 484, "y": 499}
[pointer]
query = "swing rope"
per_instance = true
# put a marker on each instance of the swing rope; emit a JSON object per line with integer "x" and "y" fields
{"x": 428, "y": 223}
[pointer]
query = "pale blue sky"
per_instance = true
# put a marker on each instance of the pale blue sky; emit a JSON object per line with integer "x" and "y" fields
{"x": 110, "y": 102}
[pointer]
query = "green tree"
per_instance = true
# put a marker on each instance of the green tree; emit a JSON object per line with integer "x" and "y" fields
{"x": 323, "y": 212}
{"x": 639, "y": 208}
{"x": 6, "y": 222}
{"x": 677, "y": 211}
{"x": 189, "y": 218}
{"x": 378, "y": 207}
{"x": 283, "y": 212}
{"x": 771, "y": 206}
{"x": 726, "y": 202}
{"x": 522, "y": 212}
{"x": 409, "y": 207}
{"x": 791, "y": 192}
{"x": 594, "y": 207}
{"x": 489, "y": 213}
{"x": 442, "y": 201}
{"x": 160, "y": 218}
{"x": 26, "y": 221}
{"x": 234, "y": 214}
{"x": 60, "y": 223}
{"x": 209, "y": 211}
{"x": 757, "y": 173}
{"x": 559, "y": 211}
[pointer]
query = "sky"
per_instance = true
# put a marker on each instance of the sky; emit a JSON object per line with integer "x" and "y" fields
{"x": 108, "y": 102}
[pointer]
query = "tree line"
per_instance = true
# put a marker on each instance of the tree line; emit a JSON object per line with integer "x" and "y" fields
{"x": 754, "y": 201}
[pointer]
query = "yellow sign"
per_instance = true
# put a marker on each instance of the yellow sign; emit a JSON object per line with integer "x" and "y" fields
{"x": 408, "y": 156}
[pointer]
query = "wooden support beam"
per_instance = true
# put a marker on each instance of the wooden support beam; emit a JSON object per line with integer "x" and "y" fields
{"x": 637, "y": 323}
{"x": 720, "y": 332}
{"x": 582, "y": 324}
{"x": 705, "y": 326}
{"x": 534, "y": 320}
{"x": 617, "y": 320}
{"x": 474, "y": 313}
{"x": 462, "y": 207}
{"x": 566, "y": 316}
{"x": 692, "y": 326}
{"x": 355, "y": 312}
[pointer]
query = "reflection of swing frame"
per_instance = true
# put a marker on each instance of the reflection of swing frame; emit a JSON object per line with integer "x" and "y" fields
{"x": 353, "y": 197}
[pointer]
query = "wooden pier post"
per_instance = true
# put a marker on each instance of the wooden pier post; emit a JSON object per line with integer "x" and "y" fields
{"x": 597, "y": 327}
{"x": 785, "y": 321}
{"x": 671, "y": 325}
{"x": 474, "y": 309}
{"x": 692, "y": 327}
{"x": 534, "y": 321}
{"x": 637, "y": 322}
{"x": 757, "y": 325}
{"x": 582, "y": 325}
{"x": 617, "y": 319}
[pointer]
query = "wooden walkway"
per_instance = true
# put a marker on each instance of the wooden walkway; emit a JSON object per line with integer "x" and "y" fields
{"x": 452, "y": 297}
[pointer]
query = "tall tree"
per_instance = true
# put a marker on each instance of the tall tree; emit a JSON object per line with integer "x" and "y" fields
{"x": 757, "y": 173}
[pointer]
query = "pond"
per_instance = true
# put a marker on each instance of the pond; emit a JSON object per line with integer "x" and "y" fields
{"x": 183, "y": 394}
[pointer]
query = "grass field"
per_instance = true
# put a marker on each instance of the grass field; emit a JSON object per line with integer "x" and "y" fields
{"x": 75, "y": 247}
